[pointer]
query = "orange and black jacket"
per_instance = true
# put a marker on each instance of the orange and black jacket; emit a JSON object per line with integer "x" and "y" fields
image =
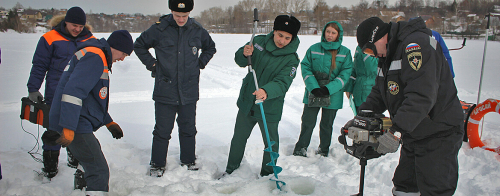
{"x": 81, "y": 98}
{"x": 55, "y": 48}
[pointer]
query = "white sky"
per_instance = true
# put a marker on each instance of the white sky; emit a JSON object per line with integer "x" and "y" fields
{"x": 143, "y": 6}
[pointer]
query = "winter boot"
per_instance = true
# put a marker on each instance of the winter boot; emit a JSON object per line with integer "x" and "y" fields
{"x": 156, "y": 171}
{"x": 72, "y": 161}
{"x": 191, "y": 166}
{"x": 79, "y": 181}
{"x": 301, "y": 152}
{"x": 321, "y": 152}
{"x": 50, "y": 161}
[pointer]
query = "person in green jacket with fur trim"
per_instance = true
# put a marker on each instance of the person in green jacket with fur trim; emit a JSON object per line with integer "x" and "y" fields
{"x": 326, "y": 69}
{"x": 362, "y": 78}
{"x": 275, "y": 62}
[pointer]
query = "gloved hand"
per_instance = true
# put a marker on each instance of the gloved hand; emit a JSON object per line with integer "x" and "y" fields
{"x": 115, "y": 130}
{"x": 321, "y": 92}
{"x": 388, "y": 142}
{"x": 35, "y": 96}
{"x": 66, "y": 138}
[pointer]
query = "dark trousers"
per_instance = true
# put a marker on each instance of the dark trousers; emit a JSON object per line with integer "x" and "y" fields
{"x": 429, "y": 166}
{"x": 242, "y": 130}
{"x": 87, "y": 149}
{"x": 309, "y": 118}
{"x": 186, "y": 121}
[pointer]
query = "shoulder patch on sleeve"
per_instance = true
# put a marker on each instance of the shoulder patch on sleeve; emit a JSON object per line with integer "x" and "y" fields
{"x": 293, "y": 72}
{"x": 415, "y": 60}
{"x": 412, "y": 47}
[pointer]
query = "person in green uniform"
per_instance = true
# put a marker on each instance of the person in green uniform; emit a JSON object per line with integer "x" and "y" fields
{"x": 326, "y": 68}
{"x": 275, "y": 62}
{"x": 362, "y": 78}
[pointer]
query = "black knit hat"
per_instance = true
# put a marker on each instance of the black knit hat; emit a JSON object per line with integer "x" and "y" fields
{"x": 181, "y": 5}
{"x": 371, "y": 30}
{"x": 76, "y": 15}
{"x": 122, "y": 41}
{"x": 287, "y": 23}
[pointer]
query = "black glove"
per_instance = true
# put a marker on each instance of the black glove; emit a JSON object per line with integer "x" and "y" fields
{"x": 321, "y": 92}
{"x": 35, "y": 96}
{"x": 201, "y": 65}
{"x": 153, "y": 73}
{"x": 115, "y": 130}
{"x": 388, "y": 142}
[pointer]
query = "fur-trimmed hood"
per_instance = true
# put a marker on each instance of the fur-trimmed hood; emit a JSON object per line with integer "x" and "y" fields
{"x": 57, "y": 19}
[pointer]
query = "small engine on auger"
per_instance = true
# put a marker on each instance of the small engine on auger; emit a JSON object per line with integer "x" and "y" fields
{"x": 364, "y": 130}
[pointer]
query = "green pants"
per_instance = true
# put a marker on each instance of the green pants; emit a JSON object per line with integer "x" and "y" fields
{"x": 309, "y": 117}
{"x": 242, "y": 130}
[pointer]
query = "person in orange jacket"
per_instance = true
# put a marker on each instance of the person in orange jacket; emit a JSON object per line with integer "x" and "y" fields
{"x": 80, "y": 105}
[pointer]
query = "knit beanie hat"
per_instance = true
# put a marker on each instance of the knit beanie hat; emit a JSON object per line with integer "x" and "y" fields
{"x": 76, "y": 15}
{"x": 181, "y": 5}
{"x": 371, "y": 30}
{"x": 122, "y": 41}
{"x": 288, "y": 24}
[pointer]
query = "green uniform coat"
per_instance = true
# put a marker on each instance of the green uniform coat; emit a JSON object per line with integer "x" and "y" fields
{"x": 319, "y": 58}
{"x": 275, "y": 69}
{"x": 362, "y": 77}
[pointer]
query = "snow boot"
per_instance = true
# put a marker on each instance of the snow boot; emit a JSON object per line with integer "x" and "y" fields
{"x": 79, "y": 181}
{"x": 191, "y": 166}
{"x": 156, "y": 171}
{"x": 50, "y": 161}
{"x": 302, "y": 152}
{"x": 72, "y": 161}
{"x": 321, "y": 152}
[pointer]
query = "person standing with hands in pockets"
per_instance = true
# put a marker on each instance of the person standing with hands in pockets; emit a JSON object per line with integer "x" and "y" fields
{"x": 325, "y": 69}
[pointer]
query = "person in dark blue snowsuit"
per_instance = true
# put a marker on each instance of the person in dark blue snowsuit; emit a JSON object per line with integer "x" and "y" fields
{"x": 52, "y": 54}
{"x": 80, "y": 105}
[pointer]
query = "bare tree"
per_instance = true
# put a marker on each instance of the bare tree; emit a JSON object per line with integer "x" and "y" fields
{"x": 299, "y": 5}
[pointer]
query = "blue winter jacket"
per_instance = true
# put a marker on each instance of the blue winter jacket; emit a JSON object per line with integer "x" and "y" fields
{"x": 178, "y": 61}
{"x": 81, "y": 98}
{"x": 52, "y": 54}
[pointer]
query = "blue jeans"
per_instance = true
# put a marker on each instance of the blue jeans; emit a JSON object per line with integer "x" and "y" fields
{"x": 186, "y": 121}
{"x": 87, "y": 149}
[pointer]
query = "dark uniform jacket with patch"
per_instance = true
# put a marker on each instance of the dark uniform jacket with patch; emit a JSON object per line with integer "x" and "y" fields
{"x": 178, "y": 61}
{"x": 415, "y": 84}
{"x": 81, "y": 98}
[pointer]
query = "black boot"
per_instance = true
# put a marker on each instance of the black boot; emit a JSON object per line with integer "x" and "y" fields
{"x": 80, "y": 182}
{"x": 72, "y": 161}
{"x": 50, "y": 161}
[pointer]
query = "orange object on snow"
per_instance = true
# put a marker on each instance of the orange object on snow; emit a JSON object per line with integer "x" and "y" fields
{"x": 490, "y": 105}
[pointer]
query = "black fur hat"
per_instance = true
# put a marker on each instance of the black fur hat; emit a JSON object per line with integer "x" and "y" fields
{"x": 181, "y": 5}
{"x": 287, "y": 23}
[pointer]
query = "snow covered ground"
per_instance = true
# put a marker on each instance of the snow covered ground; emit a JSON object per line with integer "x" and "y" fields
{"x": 131, "y": 106}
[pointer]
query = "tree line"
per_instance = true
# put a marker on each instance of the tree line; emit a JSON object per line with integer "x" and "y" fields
{"x": 447, "y": 14}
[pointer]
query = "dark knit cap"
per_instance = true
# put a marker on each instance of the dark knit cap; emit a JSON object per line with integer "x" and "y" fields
{"x": 371, "y": 30}
{"x": 287, "y": 23}
{"x": 76, "y": 15}
{"x": 181, "y": 5}
{"x": 122, "y": 41}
